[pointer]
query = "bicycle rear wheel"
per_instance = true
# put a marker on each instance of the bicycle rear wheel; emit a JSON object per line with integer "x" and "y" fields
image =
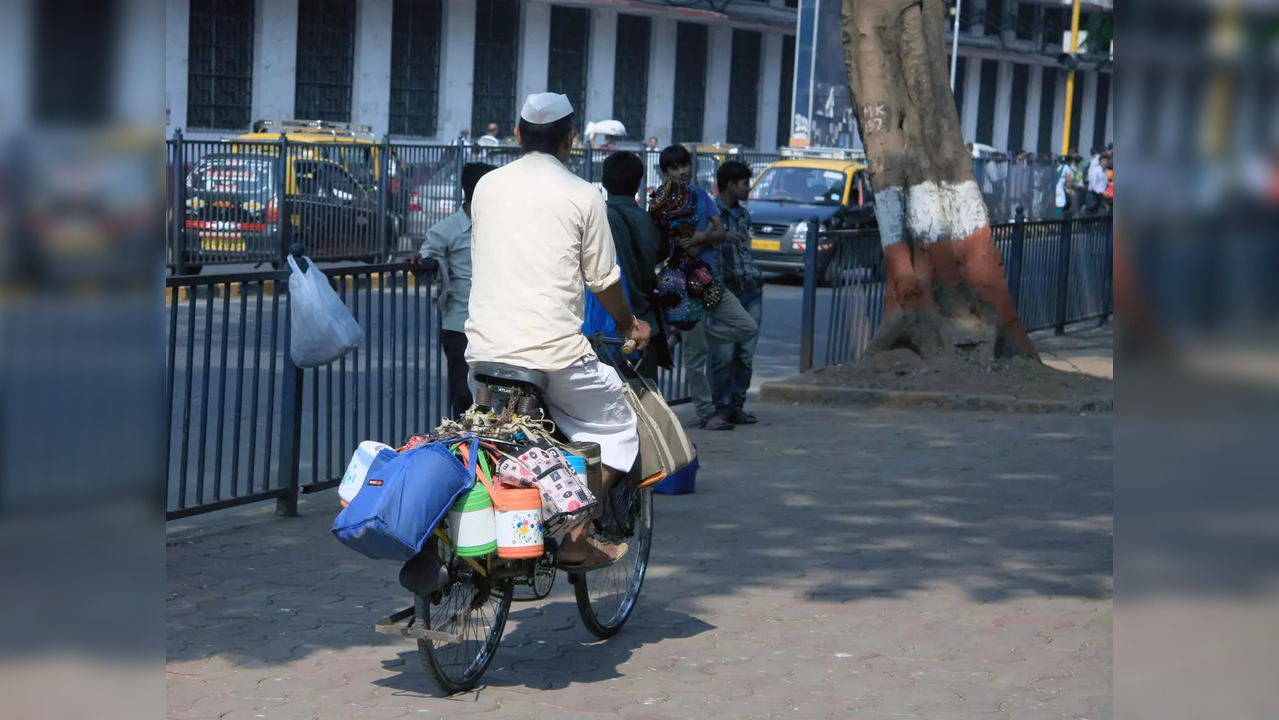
{"x": 472, "y": 610}
{"x": 606, "y": 597}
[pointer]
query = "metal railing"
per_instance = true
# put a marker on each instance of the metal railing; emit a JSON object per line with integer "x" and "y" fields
{"x": 1058, "y": 271}
{"x": 245, "y": 424}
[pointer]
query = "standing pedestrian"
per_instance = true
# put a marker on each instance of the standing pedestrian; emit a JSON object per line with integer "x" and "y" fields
{"x": 728, "y": 322}
{"x": 732, "y": 363}
{"x": 1065, "y": 190}
{"x": 491, "y": 138}
{"x": 1097, "y": 182}
{"x": 639, "y": 248}
{"x": 449, "y": 242}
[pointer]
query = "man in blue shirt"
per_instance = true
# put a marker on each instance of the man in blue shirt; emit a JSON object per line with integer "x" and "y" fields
{"x": 449, "y": 242}
{"x": 729, "y": 322}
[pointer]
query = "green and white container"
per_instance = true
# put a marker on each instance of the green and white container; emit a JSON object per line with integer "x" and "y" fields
{"x": 472, "y": 524}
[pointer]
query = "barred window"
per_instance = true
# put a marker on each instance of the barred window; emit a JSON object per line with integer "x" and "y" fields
{"x": 497, "y": 40}
{"x": 630, "y": 74}
{"x": 220, "y": 64}
{"x": 326, "y": 60}
{"x": 566, "y": 69}
{"x": 690, "y": 82}
{"x": 743, "y": 88}
{"x": 415, "y": 67}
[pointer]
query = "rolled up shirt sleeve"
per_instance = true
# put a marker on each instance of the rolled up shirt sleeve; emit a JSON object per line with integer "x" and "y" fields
{"x": 599, "y": 256}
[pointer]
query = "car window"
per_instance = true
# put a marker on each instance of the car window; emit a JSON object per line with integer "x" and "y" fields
{"x": 340, "y": 183}
{"x": 243, "y": 175}
{"x": 812, "y": 186}
{"x": 309, "y": 179}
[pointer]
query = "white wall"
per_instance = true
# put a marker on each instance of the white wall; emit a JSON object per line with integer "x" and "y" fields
{"x": 535, "y": 56}
{"x": 457, "y": 69}
{"x": 660, "y": 111}
{"x": 601, "y": 66}
{"x": 177, "y": 36}
{"x": 719, "y": 64}
{"x": 371, "y": 79}
{"x": 770, "y": 87}
{"x": 275, "y": 58}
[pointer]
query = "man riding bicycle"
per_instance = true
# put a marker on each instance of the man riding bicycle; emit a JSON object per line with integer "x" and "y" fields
{"x": 538, "y": 231}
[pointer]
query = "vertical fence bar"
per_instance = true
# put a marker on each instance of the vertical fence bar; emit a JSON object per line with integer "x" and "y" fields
{"x": 383, "y": 190}
{"x": 291, "y": 422}
{"x": 284, "y": 216}
{"x": 1063, "y": 273}
{"x": 1107, "y": 278}
{"x": 177, "y": 222}
{"x": 809, "y": 317}
{"x": 1015, "y": 256}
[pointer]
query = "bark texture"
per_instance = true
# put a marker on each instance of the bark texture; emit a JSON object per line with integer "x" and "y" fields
{"x": 946, "y": 291}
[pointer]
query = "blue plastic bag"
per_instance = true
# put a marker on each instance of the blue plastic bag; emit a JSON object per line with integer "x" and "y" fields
{"x": 597, "y": 319}
{"x": 402, "y": 502}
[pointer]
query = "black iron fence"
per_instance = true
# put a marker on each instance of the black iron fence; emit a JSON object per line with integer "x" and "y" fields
{"x": 1059, "y": 272}
{"x": 245, "y": 424}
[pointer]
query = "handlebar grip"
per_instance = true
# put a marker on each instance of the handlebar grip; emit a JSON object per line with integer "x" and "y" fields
{"x": 629, "y": 347}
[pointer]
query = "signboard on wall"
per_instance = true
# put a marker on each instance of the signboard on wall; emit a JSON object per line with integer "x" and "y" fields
{"x": 822, "y": 115}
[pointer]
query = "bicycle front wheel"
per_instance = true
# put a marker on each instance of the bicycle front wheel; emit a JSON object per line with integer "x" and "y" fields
{"x": 606, "y": 597}
{"x": 468, "y": 616}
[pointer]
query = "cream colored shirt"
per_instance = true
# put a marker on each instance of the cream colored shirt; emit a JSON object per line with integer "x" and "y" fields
{"x": 537, "y": 232}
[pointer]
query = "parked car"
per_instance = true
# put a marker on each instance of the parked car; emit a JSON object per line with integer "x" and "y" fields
{"x": 787, "y": 193}
{"x": 233, "y": 210}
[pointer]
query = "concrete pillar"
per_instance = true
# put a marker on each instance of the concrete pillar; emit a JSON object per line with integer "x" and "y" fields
{"x": 138, "y": 70}
{"x": 275, "y": 59}
{"x": 457, "y": 69}
{"x": 1034, "y": 96}
{"x": 719, "y": 66}
{"x": 660, "y": 113}
{"x": 371, "y": 79}
{"x": 601, "y": 66}
{"x": 1003, "y": 105}
{"x": 770, "y": 87}
{"x": 535, "y": 52}
{"x": 972, "y": 95}
{"x": 1059, "y": 108}
{"x": 177, "y": 37}
{"x": 1110, "y": 112}
{"x": 1088, "y": 113}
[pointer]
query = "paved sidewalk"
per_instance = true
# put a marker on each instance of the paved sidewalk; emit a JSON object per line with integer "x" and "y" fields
{"x": 1086, "y": 348}
{"x": 834, "y": 563}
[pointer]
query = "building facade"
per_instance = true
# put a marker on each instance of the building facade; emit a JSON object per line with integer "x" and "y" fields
{"x": 421, "y": 70}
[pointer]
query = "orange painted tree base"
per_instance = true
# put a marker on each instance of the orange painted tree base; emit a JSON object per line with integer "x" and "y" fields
{"x": 951, "y": 298}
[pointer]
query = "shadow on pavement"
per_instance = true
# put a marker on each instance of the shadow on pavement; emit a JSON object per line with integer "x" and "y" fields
{"x": 811, "y": 507}
{"x": 546, "y": 648}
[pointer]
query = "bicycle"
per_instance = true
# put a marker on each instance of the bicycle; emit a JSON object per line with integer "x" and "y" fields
{"x": 459, "y": 623}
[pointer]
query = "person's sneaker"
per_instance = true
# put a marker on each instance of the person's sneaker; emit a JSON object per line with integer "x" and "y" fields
{"x": 741, "y": 417}
{"x": 716, "y": 422}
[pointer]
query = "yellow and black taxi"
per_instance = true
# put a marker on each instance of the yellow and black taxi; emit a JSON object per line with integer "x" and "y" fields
{"x": 233, "y": 209}
{"x": 831, "y": 185}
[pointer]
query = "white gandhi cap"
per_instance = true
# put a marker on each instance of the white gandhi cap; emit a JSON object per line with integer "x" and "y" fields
{"x": 544, "y": 108}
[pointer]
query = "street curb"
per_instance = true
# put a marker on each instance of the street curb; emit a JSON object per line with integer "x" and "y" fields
{"x": 808, "y": 394}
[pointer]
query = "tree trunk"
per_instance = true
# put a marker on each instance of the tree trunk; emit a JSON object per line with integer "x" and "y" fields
{"x": 946, "y": 291}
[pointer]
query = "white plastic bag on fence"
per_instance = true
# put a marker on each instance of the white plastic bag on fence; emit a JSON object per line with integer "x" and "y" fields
{"x": 323, "y": 329}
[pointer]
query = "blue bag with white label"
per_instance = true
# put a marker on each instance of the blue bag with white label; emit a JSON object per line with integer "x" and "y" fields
{"x": 402, "y": 502}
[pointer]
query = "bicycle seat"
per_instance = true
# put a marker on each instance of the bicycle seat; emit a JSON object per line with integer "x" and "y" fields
{"x": 491, "y": 373}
